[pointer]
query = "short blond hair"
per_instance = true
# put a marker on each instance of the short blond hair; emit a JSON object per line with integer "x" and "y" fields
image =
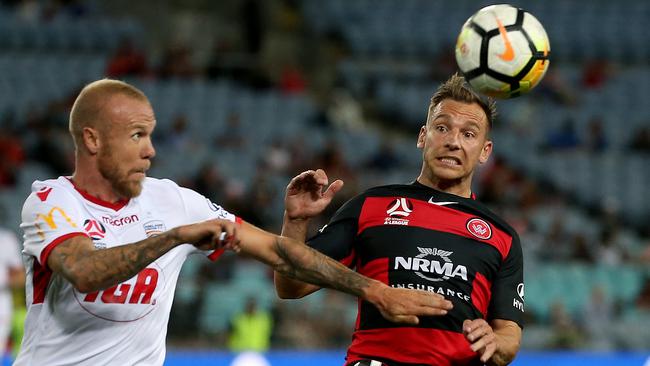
{"x": 87, "y": 108}
{"x": 457, "y": 88}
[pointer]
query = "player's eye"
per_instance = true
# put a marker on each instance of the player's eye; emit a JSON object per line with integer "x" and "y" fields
{"x": 470, "y": 134}
{"x": 441, "y": 128}
{"x": 136, "y": 136}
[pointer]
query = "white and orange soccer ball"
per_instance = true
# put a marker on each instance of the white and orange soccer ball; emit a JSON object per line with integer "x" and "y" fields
{"x": 503, "y": 51}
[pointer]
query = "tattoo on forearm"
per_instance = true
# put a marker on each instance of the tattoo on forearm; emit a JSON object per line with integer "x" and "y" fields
{"x": 108, "y": 267}
{"x": 304, "y": 263}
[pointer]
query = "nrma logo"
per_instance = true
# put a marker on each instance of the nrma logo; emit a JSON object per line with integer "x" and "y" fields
{"x": 432, "y": 269}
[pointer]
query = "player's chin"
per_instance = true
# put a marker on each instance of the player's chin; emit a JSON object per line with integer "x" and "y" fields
{"x": 449, "y": 172}
{"x": 132, "y": 188}
{"x": 136, "y": 188}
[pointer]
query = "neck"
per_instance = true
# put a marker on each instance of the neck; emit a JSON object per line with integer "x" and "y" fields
{"x": 87, "y": 178}
{"x": 459, "y": 187}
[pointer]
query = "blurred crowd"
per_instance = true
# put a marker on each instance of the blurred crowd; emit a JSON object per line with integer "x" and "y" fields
{"x": 268, "y": 45}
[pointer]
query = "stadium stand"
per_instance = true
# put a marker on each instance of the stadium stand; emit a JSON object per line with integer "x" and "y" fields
{"x": 571, "y": 141}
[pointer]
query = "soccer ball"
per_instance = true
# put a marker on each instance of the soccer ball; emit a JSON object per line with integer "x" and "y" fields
{"x": 503, "y": 51}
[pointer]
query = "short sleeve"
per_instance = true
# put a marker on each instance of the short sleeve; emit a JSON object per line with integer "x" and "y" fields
{"x": 50, "y": 216}
{"x": 508, "y": 287}
{"x": 199, "y": 208}
{"x": 337, "y": 238}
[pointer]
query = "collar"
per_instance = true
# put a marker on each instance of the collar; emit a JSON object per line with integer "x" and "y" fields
{"x": 115, "y": 206}
{"x": 415, "y": 183}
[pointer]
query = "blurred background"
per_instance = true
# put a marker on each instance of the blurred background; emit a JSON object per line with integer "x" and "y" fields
{"x": 248, "y": 93}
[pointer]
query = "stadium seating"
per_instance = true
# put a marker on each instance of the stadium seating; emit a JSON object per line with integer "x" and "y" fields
{"x": 64, "y": 33}
{"x": 419, "y": 28}
{"x": 394, "y": 45}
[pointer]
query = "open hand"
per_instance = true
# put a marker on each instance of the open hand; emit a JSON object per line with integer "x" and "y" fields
{"x": 305, "y": 197}
{"x": 481, "y": 337}
{"x": 401, "y": 305}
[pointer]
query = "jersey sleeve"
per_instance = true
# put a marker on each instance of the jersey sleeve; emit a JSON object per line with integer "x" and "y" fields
{"x": 199, "y": 208}
{"x": 50, "y": 216}
{"x": 337, "y": 238}
{"x": 508, "y": 287}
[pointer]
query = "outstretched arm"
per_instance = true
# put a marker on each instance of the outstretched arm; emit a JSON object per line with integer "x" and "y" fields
{"x": 90, "y": 269}
{"x": 305, "y": 198}
{"x": 286, "y": 287}
{"x": 295, "y": 260}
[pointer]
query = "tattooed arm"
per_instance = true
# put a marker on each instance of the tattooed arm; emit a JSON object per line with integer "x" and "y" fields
{"x": 90, "y": 269}
{"x": 294, "y": 259}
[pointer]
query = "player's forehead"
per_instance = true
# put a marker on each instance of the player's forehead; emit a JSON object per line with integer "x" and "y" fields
{"x": 451, "y": 109}
{"x": 125, "y": 112}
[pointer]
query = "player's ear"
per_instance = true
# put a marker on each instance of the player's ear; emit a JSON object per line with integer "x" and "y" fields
{"x": 91, "y": 140}
{"x": 422, "y": 136}
{"x": 485, "y": 152}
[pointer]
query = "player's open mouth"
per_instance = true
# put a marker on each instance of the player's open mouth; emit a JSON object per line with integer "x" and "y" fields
{"x": 450, "y": 160}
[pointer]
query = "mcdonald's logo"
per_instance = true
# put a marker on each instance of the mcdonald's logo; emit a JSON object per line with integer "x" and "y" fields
{"x": 49, "y": 218}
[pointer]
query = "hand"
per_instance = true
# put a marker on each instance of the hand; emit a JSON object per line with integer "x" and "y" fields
{"x": 401, "y": 305}
{"x": 481, "y": 337}
{"x": 305, "y": 198}
{"x": 211, "y": 234}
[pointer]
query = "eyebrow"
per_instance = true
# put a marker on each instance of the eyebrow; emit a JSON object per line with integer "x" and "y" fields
{"x": 442, "y": 115}
{"x": 446, "y": 117}
{"x": 139, "y": 124}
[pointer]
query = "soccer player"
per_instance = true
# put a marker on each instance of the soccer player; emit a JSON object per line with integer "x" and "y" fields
{"x": 430, "y": 235}
{"x": 103, "y": 248}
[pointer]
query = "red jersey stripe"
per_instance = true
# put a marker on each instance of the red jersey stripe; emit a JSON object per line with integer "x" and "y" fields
{"x": 40, "y": 279}
{"x": 447, "y": 219}
{"x": 425, "y": 346}
{"x": 376, "y": 269}
{"x": 481, "y": 293}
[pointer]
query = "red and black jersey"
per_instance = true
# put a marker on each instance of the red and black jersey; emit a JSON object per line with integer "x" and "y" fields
{"x": 413, "y": 236}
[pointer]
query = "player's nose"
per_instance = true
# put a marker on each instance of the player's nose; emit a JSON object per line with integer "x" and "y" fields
{"x": 452, "y": 140}
{"x": 148, "y": 151}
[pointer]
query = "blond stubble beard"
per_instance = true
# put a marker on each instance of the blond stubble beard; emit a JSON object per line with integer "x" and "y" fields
{"x": 110, "y": 171}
